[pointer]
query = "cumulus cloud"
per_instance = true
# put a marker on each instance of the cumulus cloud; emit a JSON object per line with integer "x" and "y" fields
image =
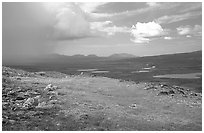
{"x": 143, "y": 32}
{"x": 70, "y": 21}
{"x": 108, "y": 28}
{"x": 79, "y": 20}
{"x": 168, "y": 38}
{"x": 175, "y": 18}
{"x": 188, "y": 30}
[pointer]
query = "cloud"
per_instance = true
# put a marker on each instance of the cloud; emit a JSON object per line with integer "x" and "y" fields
{"x": 79, "y": 20}
{"x": 70, "y": 21}
{"x": 94, "y": 15}
{"x": 90, "y": 7}
{"x": 189, "y": 31}
{"x": 168, "y": 38}
{"x": 153, "y": 4}
{"x": 191, "y": 6}
{"x": 188, "y": 36}
{"x": 183, "y": 30}
{"x": 108, "y": 28}
{"x": 143, "y": 32}
{"x": 25, "y": 27}
{"x": 175, "y": 18}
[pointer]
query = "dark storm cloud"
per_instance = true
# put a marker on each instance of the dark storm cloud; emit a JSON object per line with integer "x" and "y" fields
{"x": 26, "y": 31}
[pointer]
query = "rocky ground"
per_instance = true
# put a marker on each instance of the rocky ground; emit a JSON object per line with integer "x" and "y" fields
{"x": 56, "y": 101}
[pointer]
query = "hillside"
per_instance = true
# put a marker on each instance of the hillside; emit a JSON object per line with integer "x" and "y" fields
{"x": 52, "y": 101}
{"x": 132, "y": 69}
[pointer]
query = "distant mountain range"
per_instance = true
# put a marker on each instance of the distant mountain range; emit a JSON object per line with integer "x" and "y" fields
{"x": 58, "y": 59}
{"x": 85, "y": 58}
{"x": 113, "y": 56}
{"x": 122, "y": 56}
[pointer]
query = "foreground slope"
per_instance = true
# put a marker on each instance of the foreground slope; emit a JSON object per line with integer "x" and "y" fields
{"x": 96, "y": 103}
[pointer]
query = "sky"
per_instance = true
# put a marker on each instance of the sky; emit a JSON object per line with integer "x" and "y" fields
{"x": 101, "y": 28}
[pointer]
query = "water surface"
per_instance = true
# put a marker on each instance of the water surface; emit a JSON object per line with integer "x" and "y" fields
{"x": 180, "y": 76}
{"x": 86, "y": 70}
{"x": 100, "y": 71}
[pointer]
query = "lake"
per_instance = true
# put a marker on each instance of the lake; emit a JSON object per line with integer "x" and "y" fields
{"x": 100, "y": 71}
{"x": 141, "y": 71}
{"x": 180, "y": 76}
{"x": 86, "y": 70}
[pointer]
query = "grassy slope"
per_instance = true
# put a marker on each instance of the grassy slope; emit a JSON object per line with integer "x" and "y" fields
{"x": 97, "y": 103}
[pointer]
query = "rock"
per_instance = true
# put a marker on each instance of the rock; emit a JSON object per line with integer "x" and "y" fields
{"x": 41, "y": 73}
{"x": 194, "y": 94}
{"x": 55, "y": 88}
{"x": 58, "y": 124}
{"x": 184, "y": 95}
{"x": 171, "y": 92}
{"x": 11, "y": 93}
{"x": 163, "y": 85}
{"x": 199, "y": 94}
{"x": 18, "y": 78}
{"x": 27, "y": 93}
{"x": 5, "y": 105}
{"x": 37, "y": 97}
{"x": 29, "y": 103}
{"x": 149, "y": 88}
{"x": 8, "y": 89}
{"x": 18, "y": 113}
{"x": 49, "y": 87}
{"x": 34, "y": 93}
{"x": 20, "y": 96}
{"x": 19, "y": 74}
{"x": 41, "y": 105}
{"x": 175, "y": 86}
{"x": 62, "y": 93}
{"x": 4, "y": 95}
{"x": 20, "y": 90}
{"x": 52, "y": 97}
{"x": 51, "y": 93}
{"x": 30, "y": 113}
{"x": 16, "y": 106}
{"x": 133, "y": 106}
{"x": 4, "y": 121}
{"x": 12, "y": 121}
{"x": 39, "y": 112}
{"x": 163, "y": 93}
{"x": 182, "y": 92}
{"x": 53, "y": 101}
{"x": 44, "y": 105}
